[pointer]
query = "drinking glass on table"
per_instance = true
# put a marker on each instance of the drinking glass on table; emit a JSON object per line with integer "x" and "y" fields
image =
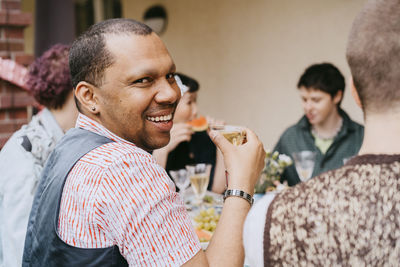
{"x": 304, "y": 162}
{"x": 181, "y": 180}
{"x": 199, "y": 175}
{"x": 234, "y": 134}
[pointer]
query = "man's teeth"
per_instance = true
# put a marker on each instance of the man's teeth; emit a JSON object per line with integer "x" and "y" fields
{"x": 160, "y": 118}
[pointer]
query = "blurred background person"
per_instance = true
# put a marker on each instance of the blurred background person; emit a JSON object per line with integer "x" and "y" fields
{"x": 23, "y": 156}
{"x": 188, "y": 146}
{"x": 325, "y": 128}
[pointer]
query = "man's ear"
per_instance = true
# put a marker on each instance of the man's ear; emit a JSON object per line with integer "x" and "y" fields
{"x": 354, "y": 93}
{"x": 338, "y": 97}
{"x": 85, "y": 93}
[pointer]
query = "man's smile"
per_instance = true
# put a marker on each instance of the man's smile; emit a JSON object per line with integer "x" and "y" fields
{"x": 163, "y": 118}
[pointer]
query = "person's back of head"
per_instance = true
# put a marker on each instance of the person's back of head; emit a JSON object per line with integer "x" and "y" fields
{"x": 49, "y": 79}
{"x": 373, "y": 54}
{"x": 324, "y": 77}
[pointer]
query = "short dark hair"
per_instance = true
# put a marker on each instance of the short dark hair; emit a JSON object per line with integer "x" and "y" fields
{"x": 373, "y": 54}
{"x": 89, "y": 56}
{"x": 325, "y": 77}
{"x": 48, "y": 78}
{"x": 189, "y": 82}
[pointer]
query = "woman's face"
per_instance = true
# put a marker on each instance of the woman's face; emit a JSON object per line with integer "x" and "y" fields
{"x": 187, "y": 108}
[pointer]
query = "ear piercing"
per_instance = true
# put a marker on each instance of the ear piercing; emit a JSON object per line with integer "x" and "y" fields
{"x": 93, "y": 108}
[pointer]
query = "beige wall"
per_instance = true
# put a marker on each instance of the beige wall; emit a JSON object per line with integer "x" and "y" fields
{"x": 29, "y": 34}
{"x": 248, "y": 55}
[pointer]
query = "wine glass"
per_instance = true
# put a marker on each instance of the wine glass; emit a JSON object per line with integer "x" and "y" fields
{"x": 181, "y": 180}
{"x": 304, "y": 162}
{"x": 199, "y": 175}
{"x": 234, "y": 134}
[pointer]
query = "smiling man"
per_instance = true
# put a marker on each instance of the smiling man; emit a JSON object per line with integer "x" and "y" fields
{"x": 325, "y": 128}
{"x": 102, "y": 199}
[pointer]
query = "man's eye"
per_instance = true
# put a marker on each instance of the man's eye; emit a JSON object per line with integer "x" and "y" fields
{"x": 170, "y": 76}
{"x": 142, "y": 80}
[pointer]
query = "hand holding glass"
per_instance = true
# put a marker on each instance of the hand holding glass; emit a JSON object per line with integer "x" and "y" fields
{"x": 199, "y": 175}
{"x": 304, "y": 162}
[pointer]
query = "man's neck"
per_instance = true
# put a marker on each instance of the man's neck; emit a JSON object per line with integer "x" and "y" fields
{"x": 329, "y": 126}
{"x": 381, "y": 134}
{"x": 63, "y": 119}
{"x": 66, "y": 115}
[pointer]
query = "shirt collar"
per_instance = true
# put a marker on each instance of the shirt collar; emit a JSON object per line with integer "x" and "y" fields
{"x": 346, "y": 126}
{"x": 87, "y": 123}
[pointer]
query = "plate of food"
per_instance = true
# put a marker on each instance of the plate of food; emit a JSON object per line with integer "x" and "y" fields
{"x": 205, "y": 220}
{"x": 210, "y": 199}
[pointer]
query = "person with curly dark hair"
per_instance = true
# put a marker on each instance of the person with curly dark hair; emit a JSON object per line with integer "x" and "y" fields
{"x": 23, "y": 156}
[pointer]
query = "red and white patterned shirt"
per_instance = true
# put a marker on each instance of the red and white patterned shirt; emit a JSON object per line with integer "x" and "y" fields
{"x": 118, "y": 195}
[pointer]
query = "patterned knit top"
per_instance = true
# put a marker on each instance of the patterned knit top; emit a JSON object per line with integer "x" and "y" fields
{"x": 345, "y": 217}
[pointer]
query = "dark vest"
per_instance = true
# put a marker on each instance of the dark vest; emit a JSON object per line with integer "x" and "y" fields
{"x": 43, "y": 247}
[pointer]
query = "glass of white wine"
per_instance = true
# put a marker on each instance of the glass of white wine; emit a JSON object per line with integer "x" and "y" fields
{"x": 234, "y": 134}
{"x": 304, "y": 162}
{"x": 199, "y": 175}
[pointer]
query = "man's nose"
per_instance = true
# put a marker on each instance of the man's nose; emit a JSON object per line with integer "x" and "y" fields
{"x": 168, "y": 93}
{"x": 307, "y": 105}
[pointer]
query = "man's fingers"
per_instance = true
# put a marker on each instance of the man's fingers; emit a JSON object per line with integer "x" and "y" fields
{"x": 220, "y": 141}
{"x": 250, "y": 135}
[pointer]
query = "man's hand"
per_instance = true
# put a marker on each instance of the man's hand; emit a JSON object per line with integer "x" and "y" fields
{"x": 244, "y": 163}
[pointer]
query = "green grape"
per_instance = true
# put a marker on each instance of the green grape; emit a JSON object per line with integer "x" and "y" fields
{"x": 200, "y": 225}
{"x": 211, "y": 211}
{"x": 207, "y": 219}
{"x": 203, "y": 213}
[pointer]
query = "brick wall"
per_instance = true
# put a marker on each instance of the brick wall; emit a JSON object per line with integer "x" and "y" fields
{"x": 15, "y": 102}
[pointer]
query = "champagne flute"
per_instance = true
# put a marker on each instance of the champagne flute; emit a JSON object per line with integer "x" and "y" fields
{"x": 199, "y": 175}
{"x": 181, "y": 180}
{"x": 304, "y": 162}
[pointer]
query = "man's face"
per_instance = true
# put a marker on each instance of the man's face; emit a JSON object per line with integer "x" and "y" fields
{"x": 138, "y": 95}
{"x": 318, "y": 105}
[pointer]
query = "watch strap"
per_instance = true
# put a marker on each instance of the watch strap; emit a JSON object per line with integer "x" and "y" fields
{"x": 238, "y": 193}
